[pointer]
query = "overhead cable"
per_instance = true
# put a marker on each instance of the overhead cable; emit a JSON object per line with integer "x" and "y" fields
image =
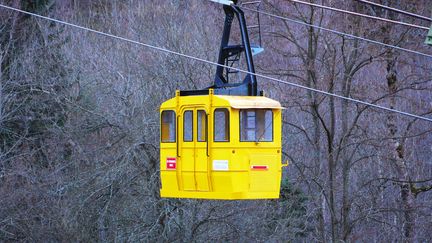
{"x": 396, "y": 10}
{"x": 220, "y": 65}
{"x": 361, "y": 15}
{"x": 338, "y": 32}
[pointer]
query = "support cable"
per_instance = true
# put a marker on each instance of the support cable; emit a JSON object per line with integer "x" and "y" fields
{"x": 220, "y": 65}
{"x": 396, "y": 10}
{"x": 338, "y": 32}
{"x": 361, "y": 15}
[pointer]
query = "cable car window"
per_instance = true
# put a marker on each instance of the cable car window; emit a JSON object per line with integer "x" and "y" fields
{"x": 201, "y": 126}
{"x": 256, "y": 125}
{"x": 221, "y": 125}
{"x": 168, "y": 128}
{"x": 188, "y": 126}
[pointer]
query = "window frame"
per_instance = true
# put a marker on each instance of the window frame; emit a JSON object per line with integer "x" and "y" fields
{"x": 256, "y": 125}
{"x": 192, "y": 125}
{"x": 205, "y": 126}
{"x": 228, "y": 129}
{"x": 175, "y": 127}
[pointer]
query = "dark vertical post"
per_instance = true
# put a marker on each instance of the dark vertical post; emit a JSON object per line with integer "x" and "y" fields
{"x": 252, "y": 82}
{"x": 249, "y": 85}
{"x": 220, "y": 80}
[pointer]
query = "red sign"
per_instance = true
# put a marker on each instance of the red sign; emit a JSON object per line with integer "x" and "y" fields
{"x": 171, "y": 163}
{"x": 259, "y": 167}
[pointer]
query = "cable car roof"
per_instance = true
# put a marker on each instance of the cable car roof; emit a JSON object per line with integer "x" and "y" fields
{"x": 250, "y": 102}
{"x": 236, "y": 102}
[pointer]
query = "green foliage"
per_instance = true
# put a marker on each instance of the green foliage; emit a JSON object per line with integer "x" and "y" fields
{"x": 38, "y": 6}
{"x": 294, "y": 196}
{"x": 429, "y": 37}
{"x": 293, "y": 203}
{"x": 289, "y": 213}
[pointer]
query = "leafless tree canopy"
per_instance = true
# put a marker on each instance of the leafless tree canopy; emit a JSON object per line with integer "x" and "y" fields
{"x": 79, "y": 133}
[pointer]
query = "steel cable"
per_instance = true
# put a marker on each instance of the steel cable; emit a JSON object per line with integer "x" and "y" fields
{"x": 396, "y": 10}
{"x": 338, "y": 32}
{"x": 220, "y": 65}
{"x": 361, "y": 15}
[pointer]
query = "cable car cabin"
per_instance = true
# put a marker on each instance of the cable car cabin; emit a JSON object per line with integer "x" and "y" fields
{"x": 220, "y": 147}
{"x": 223, "y": 142}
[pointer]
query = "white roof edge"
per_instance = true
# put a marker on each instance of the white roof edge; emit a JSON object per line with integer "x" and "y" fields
{"x": 245, "y": 102}
{"x": 224, "y": 2}
{"x": 236, "y": 106}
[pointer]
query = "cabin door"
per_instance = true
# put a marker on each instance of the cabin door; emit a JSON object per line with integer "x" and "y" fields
{"x": 194, "y": 160}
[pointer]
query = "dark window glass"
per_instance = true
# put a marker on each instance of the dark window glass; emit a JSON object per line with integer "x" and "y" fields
{"x": 221, "y": 125}
{"x": 168, "y": 128}
{"x": 188, "y": 126}
{"x": 256, "y": 125}
{"x": 201, "y": 126}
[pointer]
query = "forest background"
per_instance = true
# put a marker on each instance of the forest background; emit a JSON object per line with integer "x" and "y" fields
{"x": 79, "y": 133}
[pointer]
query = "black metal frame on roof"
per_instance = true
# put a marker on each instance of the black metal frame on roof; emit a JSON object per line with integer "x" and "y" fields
{"x": 228, "y": 55}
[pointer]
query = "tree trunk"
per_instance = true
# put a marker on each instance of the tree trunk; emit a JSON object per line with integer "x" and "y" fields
{"x": 397, "y": 145}
{"x": 397, "y": 154}
{"x": 316, "y": 124}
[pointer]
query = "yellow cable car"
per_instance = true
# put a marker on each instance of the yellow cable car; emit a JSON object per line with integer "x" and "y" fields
{"x": 220, "y": 147}
{"x": 223, "y": 142}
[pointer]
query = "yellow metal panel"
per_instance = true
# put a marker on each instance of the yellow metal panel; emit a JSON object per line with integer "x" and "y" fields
{"x": 187, "y": 156}
{"x": 220, "y": 195}
{"x": 169, "y": 180}
{"x": 168, "y": 177}
{"x": 201, "y": 159}
{"x": 265, "y": 172}
{"x": 201, "y": 169}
